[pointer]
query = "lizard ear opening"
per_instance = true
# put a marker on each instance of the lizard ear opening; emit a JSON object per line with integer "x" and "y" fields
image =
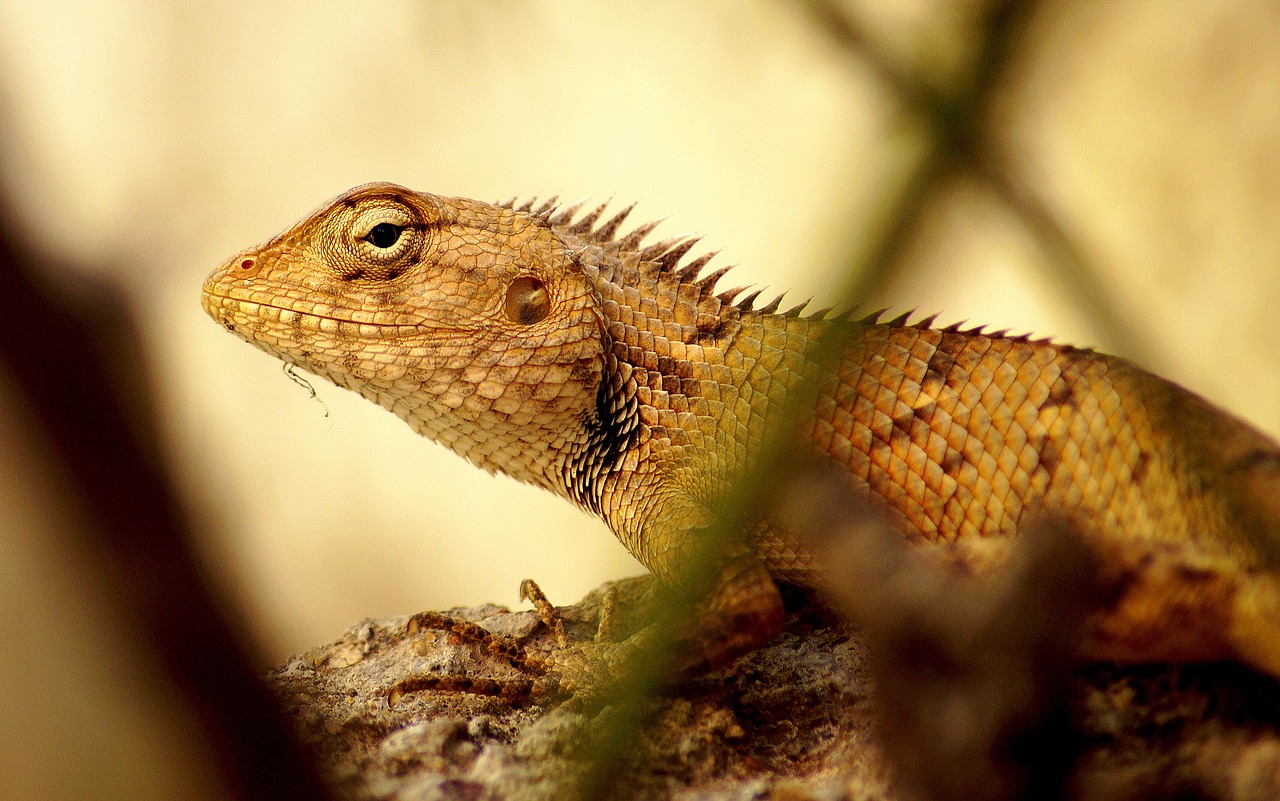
{"x": 527, "y": 301}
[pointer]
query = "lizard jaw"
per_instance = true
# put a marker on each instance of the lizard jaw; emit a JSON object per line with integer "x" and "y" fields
{"x": 234, "y": 313}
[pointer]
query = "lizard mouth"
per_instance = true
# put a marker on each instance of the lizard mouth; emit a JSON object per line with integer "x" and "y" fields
{"x": 233, "y": 313}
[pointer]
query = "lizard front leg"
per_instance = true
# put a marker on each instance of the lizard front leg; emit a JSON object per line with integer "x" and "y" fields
{"x": 722, "y": 592}
{"x": 742, "y": 612}
{"x": 715, "y": 602}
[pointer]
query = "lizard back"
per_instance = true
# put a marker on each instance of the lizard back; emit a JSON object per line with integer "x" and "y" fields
{"x": 540, "y": 343}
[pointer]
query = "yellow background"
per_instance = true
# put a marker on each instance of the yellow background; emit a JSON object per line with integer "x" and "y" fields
{"x": 149, "y": 140}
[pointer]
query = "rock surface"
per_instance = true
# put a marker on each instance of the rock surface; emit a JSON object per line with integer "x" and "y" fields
{"x": 795, "y": 720}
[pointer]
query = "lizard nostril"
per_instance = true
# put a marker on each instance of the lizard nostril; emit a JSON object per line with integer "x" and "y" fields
{"x": 246, "y": 268}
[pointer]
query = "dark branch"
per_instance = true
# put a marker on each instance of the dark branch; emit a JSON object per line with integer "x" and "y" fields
{"x": 80, "y": 372}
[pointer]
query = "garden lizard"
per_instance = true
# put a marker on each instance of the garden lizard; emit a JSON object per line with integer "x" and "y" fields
{"x": 541, "y": 343}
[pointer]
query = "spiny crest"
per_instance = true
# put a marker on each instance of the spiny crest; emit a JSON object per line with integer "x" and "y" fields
{"x": 902, "y": 321}
{"x": 927, "y": 323}
{"x": 665, "y": 257}
{"x": 772, "y": 306}
{"x": 748, "y": 303}
{"x": 981, "y": 331}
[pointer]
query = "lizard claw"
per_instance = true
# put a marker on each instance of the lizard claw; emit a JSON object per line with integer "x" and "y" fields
{"x": 530, "y": 591}
{"x": 539, "y": 682}
{"x": 556, "y": 670}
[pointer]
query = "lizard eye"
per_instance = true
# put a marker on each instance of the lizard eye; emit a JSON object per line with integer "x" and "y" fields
{"x": 527, "y": 301}
{"x": 377, "y": 238}
{"x": 384, "y": 235}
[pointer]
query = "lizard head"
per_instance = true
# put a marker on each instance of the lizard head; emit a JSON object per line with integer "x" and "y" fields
{"x": 471, "y": 321}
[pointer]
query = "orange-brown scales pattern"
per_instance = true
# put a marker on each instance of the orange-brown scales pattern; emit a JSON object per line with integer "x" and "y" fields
{"x": 541, "y": 344}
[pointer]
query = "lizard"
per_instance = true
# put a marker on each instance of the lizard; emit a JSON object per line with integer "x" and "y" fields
{"x": 540, "y": 342}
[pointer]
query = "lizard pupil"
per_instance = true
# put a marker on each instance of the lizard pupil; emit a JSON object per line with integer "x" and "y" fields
{"x": 384, "y": 235}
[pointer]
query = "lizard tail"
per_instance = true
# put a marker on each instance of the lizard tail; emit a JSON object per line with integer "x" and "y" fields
{"x": 1177, "y": 604}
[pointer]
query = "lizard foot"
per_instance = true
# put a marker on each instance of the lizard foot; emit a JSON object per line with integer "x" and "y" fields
{"x": 742, "y": 611}
{"x": 512, "y": 651}
{"x": 571, "y": 667}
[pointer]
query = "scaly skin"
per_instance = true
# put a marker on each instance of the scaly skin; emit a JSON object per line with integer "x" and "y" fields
{"x": 556, "y": 352}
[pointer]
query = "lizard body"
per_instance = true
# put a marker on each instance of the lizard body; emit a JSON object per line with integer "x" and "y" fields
{"x": 542, "y": 344}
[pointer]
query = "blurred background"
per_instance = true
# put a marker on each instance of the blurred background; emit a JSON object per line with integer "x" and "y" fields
{"x": 1130, "y": 201}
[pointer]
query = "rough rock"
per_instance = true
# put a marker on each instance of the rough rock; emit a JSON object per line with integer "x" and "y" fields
{"x": 795, "y": 720}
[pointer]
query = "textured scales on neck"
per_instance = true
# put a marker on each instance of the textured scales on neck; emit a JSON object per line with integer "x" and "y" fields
{"x": 689, "y": 375}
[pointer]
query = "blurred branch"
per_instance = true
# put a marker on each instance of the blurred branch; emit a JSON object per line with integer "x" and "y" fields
{"x": 960, "y": 134}
{"x": 745, "y": 502}
{"x": 80, "y": 370}
{"x": 971, "y": 675}
{"x": 1073, "y": 269}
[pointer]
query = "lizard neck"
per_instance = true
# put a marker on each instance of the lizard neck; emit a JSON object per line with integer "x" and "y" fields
{"x": 689, "y": 379}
